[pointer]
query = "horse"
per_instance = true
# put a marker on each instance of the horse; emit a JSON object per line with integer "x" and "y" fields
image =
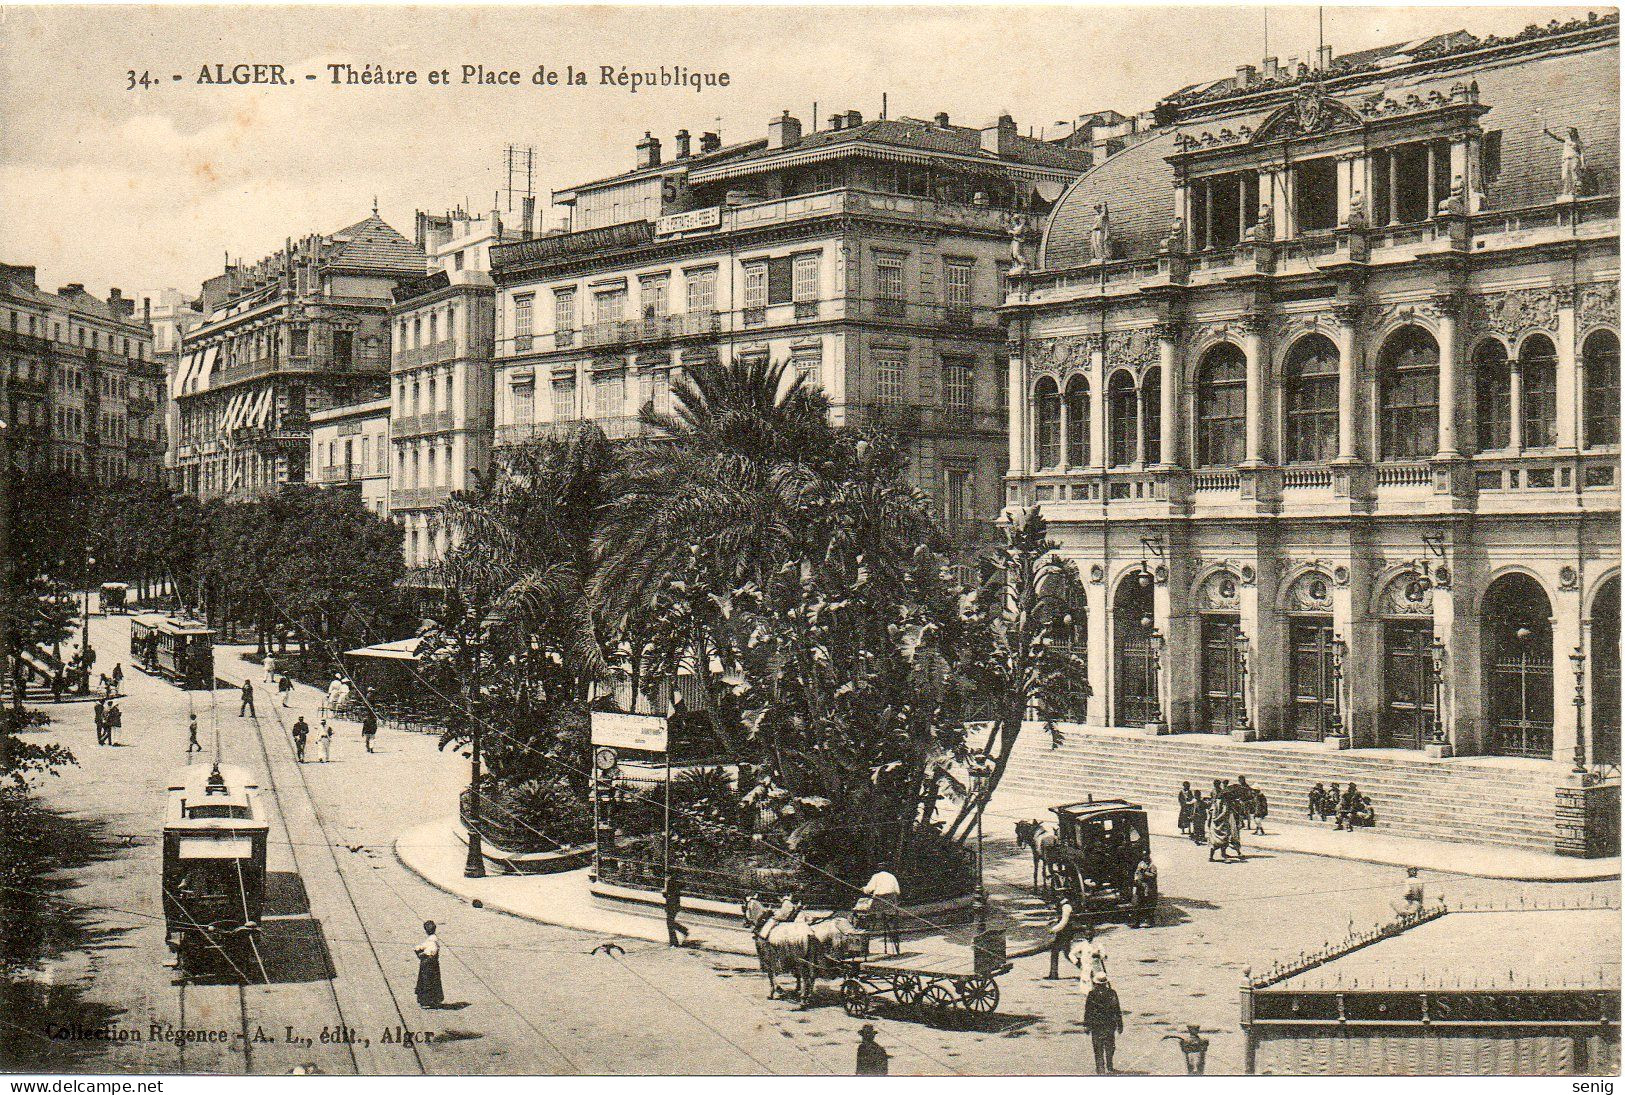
{"x": 799, "y": 947}
{"x": 1224, "y": 825}
{"x": 1037, "y": 837}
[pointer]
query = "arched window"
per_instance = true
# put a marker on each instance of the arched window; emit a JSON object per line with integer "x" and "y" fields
{"x": 1537, "y": 360}
{"x": 1311, "y": 401}
{"x": 1048, "y": 399}
{"x": 1221, "y": 408}
{"x": 1601, "y": 357}
{"x": 1077, "y": 422}
{"x": 1122, "y": 419}
{"x": 1151, "y": 415}
{"x": 1408, "y": 372}
{"x": 1494, "y": 392}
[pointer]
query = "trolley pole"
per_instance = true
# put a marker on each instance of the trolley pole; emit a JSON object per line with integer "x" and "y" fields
{"x": 474, "y": 867}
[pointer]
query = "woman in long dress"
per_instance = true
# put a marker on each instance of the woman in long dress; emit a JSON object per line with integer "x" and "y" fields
{"x": 429, "y": 992}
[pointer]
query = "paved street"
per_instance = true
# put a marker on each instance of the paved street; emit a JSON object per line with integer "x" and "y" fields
{"x": 526, "y": 997}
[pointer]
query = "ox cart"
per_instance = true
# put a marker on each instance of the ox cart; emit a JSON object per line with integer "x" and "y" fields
{"x": 936, "y": 985}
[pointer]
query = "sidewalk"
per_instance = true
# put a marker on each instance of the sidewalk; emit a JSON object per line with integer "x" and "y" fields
{"x": 436, "y": 853}
{"x": 1445, "y": 857}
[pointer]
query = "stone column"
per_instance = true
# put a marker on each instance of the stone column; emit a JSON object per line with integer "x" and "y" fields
{"x": 1446, "y": 306}
{"x": 1067, "y": 426}
{"x": 1348, "y": 319}
{"x": 1167, "y": 360}
{"x": 1253, "y": 347}
{"x": 1345, "y": 187}
{"x": 1017, "y": 411}
{"x": 1569, "y": 386}
{"x": 1097, "y": 408}
{"x": 1566, "y": 634}
{"x": 1101, "y": 678}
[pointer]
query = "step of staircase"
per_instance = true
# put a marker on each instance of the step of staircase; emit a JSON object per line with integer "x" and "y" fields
{"x": 1464, "y": 799}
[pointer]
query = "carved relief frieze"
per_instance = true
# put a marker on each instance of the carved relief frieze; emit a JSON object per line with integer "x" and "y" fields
{"x": 1063, "y": 355}
{"x": 1135, "y": 348}
{"x": 1311, "y": 592}
{"x": 1599, "y": 305}
{"x": 1221, "y": 592}
{"x": 1409, "y": 594}
{"x": 1512, "y": 313}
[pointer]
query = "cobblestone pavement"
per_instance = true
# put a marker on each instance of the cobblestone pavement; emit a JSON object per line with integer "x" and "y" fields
{"x": 531, "y": 998}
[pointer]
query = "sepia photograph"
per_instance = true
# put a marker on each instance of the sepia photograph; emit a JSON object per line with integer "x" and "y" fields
{"x": 675, "y": 540}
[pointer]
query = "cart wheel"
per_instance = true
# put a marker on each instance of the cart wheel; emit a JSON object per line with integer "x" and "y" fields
{"x": 855, "y": 998}
{"x": 907, "y": 989}
{"x": 937, "y": 1001}
{"x": 979, "y": 995}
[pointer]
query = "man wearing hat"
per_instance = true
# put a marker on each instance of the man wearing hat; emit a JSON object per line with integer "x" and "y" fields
{"x": 873, "y": 1060}
{"x": 1103, "y": 1018}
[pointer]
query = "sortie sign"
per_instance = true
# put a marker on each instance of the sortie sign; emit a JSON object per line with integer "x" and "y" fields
{"x": 618, "y": 731}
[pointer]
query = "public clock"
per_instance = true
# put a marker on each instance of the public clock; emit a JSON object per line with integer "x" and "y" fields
{"x": 604, "y": 759}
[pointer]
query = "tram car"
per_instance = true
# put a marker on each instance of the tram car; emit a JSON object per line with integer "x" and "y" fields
{"x": 115, "y": 598}
{"x": 169, "y": 646}
{"x": 215, "y": 830}
{"x": 1098, "y": 845}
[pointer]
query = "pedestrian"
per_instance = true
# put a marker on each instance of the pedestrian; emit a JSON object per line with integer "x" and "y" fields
{"x": 1330, "y": 802}
{"x": 300, "y": 731}
{"x": 1103, "y": 1018}
{"x": 429, "y": 991}
{"x": 369, "y": 728}
{"x": 1347, "y": 806}
{"x": 246, "y": 706}
{"x": 59, "y": 681}
{"x": 873, "y": 1060}
{"x": 1187, "y": 800}
{"x": 191, "y": 736}
{"x": 337, "y": 693}
{"x": 115, "y": 720}
{"x": 1145, "y": 895}
{"x": 1194, "y": 1046}
{"x": 885, "y": 896}
{"x": 101, "y": 722}
{"x": 285, "y": 687}
{"x": 1317, "y": 804}
{"x": 325, "y": 741}
{"x": 1410, "y": 896}
{"x": 1089, "y": 956}
{"x": 1199, "y": 820}
{"x": 1261, "y": 810}
{"x": 104, "y": 685}
{"x": 270, "y": 669}
{"x": 1061, "y": 934}
{"x": 1241, "y": 802}
{"x": 118, "y": 676}
{"x": 674, "y": 905}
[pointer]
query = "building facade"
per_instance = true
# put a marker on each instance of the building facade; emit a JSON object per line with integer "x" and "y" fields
{"x": 869, "y": 256}
{"x": 171, "y": 314}
{"x": 1318, "y": 384}
{"x": 350, "y": 450}
{"x": 299, "y": 331}
{"x": 442, "y": 344}
{"x": 81, "y": 381}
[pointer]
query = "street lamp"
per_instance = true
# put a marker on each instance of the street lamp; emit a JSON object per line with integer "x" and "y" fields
{"x": 981, "y": 767}
{"x": 1578, "y": 660}
{"x": 1157, "y": 644}
{"x": 1436, "y": 654}
{"x": 1340, "y": 651}
{"x": 90, "y": 567}
{"x": 474, "y": 866}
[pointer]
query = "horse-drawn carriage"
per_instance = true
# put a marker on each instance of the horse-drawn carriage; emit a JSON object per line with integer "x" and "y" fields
{"x": 1090, "y": 853}
{"x": 937, "y": 985}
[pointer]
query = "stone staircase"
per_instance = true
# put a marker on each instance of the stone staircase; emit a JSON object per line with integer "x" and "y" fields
{"x": 1474, "y": 800}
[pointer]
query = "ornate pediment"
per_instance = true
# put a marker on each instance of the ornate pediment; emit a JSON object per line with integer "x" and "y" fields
{"x": 1310, "y": 112}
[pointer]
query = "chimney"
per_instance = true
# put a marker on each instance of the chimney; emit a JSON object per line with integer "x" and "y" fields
{"x": 527, "y": 227}
{"x": 837, "y": 122}
{"x": 853, "y": 119}
{"x": 1245, "y": 75}
{"x": 683, "y": 138}
{"x": 119, "y": 304}
{"x": 997, "y": 137}
{"x": 1291, "y": 66}
{"x": 710, "y": 142}
{"x": 649, "y": 150}
{"x": 784, "y": 131}
{"x": 1323, "y": 58}
{"x": 942, "y": 120}
{"x": 1272, "y": 67}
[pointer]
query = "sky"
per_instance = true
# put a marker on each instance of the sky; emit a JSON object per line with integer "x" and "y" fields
{"x": 152, "y": 187}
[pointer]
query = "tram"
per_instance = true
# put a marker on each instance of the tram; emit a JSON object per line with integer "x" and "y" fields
{"x": 168, "y": 646}
{"x": 215, "y": 831}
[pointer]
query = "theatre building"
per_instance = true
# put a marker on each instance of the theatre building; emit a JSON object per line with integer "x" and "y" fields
{"x": 1318, "y": 385}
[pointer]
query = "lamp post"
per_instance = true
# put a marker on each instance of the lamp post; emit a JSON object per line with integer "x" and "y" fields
{"x": 90, "y": 567}
{"x": 1578, "y": 660}
{"x": 1157, "y": 644}
{"x": 1238, "y": 644}
{"x": 981, "y": 766}
{"x": 1436, "y": 664}
{"x": 474, "y": 866}
{"x": 1340, "y": 651}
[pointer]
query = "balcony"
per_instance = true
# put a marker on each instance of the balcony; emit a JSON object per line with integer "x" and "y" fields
{"x": 615, "y": 427}
{"x": 418, "y": 425}
{"x": 432, "y": 354}
{"x": 418, "y": 498}
{"x": 338, "y": 473}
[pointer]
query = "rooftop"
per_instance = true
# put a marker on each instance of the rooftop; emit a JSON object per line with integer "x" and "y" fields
{"x": 371, "y": 244}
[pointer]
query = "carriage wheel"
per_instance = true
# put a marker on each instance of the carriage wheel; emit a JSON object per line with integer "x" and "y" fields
{"x": 907, "y": 989}
{"x": 937, "y": 1001}
{"x": 979, "y": 995}
{"x": 855, "y": 998}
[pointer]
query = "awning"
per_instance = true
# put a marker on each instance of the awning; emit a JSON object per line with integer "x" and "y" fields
{"x": 399, "y": 650}
{"x": 206, "y": 848}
